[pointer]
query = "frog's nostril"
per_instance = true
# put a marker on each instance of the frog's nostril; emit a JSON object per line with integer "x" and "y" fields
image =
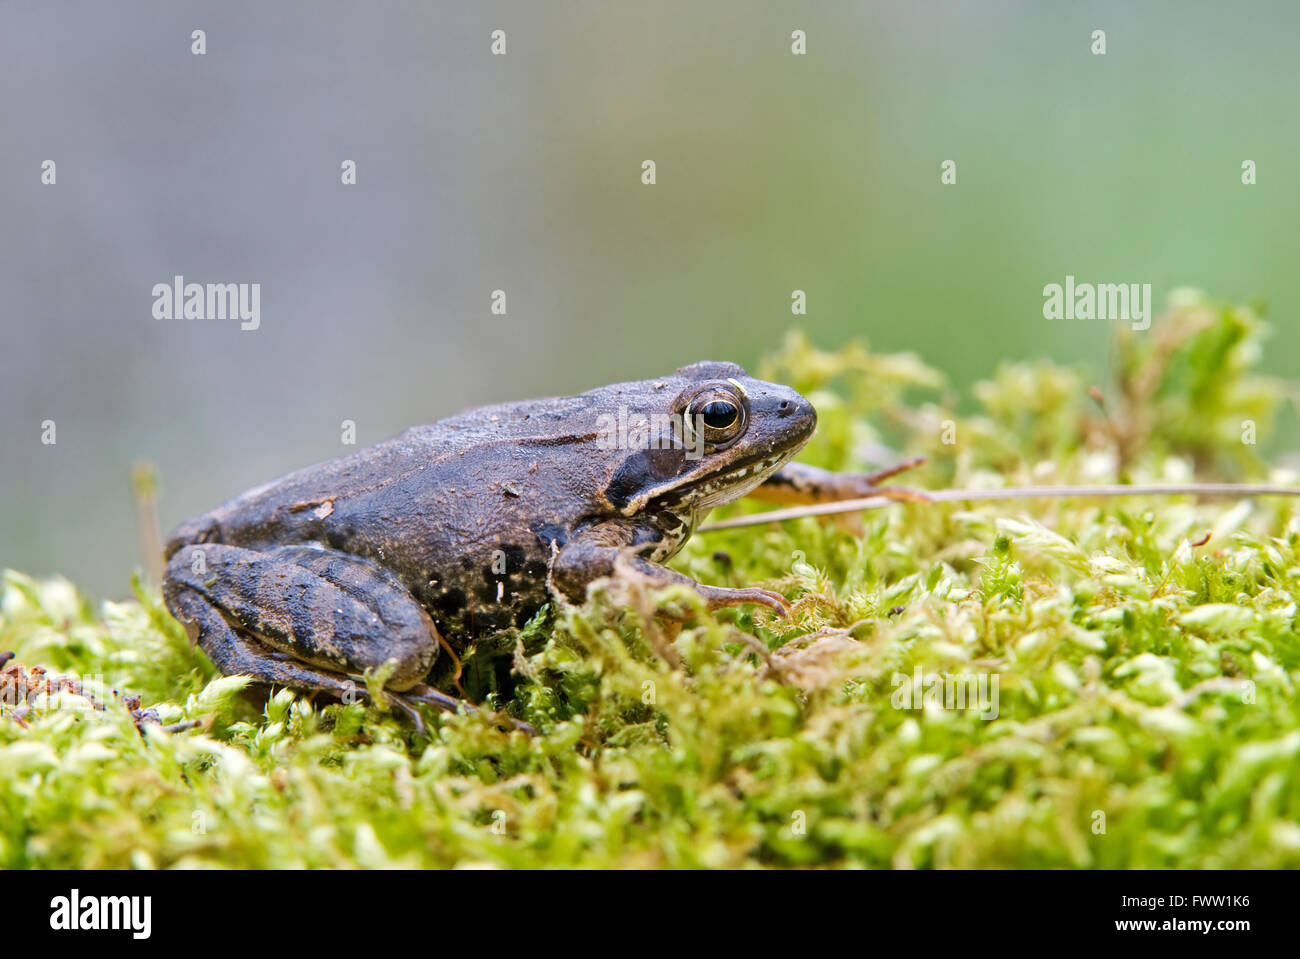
{"x": 784, "y": 407}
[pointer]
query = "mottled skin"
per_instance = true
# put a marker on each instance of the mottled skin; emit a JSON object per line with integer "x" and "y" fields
{"x": 468, "y": 525}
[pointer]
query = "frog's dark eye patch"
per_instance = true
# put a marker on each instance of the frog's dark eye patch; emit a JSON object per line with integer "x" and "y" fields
{"x": 641, "y": 471}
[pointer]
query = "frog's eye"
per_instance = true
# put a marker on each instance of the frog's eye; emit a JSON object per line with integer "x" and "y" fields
{"x": 717, "y": 414}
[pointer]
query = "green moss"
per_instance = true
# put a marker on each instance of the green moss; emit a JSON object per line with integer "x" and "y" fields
{"x": 1146, "y": 711}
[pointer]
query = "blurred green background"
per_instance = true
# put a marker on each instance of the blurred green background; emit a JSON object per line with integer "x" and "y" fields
{"x": 522, "y": 173}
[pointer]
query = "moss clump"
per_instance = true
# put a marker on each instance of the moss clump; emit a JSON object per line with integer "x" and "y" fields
{"x": 1146, "y": 712}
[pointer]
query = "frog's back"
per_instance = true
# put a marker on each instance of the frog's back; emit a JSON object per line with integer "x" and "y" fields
{"x": 420, "y": 469}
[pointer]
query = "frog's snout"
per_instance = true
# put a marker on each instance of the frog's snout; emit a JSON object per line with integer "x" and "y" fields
{"x": 797, "y": 416}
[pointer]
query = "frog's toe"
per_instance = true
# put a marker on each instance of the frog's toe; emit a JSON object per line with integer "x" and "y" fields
{"x": 718, "y": 597}
{"x": 411, "y": 712}
{"x": 423, "y": 693}
{"x": 901, "y": 494}
{"x": 873, "y": 479}
{"x": 432, "y": 697}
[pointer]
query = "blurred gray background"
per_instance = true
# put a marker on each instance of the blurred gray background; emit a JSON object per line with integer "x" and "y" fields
{"x": 522, "y": 172}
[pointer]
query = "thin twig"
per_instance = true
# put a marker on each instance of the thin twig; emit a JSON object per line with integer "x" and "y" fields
{"x": 1007, "y": 493}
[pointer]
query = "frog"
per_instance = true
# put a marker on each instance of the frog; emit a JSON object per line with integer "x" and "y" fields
{"x": 456, "y": 530}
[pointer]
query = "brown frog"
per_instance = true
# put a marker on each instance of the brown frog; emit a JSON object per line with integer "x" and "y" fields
{"x": 466, "y": 526}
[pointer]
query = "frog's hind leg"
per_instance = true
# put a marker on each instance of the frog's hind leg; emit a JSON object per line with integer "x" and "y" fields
{"x": 235, "y": 653}
{"x": 305, "y": 617}
{"x": 324, "y": 608}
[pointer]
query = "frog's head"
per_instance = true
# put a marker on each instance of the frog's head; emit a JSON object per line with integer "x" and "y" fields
{"x": 714, "y": 433}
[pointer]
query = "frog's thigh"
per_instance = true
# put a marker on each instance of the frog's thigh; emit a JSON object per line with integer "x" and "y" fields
{"x": 322, "y": 607}
{"x": 237, "y": 654}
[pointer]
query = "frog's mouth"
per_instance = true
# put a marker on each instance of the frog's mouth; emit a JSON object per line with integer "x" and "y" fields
{"x": 727, "y": 484}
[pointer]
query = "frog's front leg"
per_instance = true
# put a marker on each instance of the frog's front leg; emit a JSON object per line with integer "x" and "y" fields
{"x": 596, "y": 551}
{"x": 799, "y": 484}
{"x": 303, "y": 617}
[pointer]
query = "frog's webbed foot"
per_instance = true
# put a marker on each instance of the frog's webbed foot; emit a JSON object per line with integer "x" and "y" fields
{"x": 307, "y": 618}
{"x": 799, "y": 484}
